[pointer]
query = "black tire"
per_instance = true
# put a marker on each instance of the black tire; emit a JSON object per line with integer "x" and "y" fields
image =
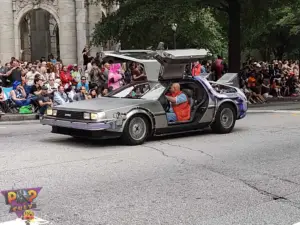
{"x": 225, "y": 119}
{"x": 133, "y": 124}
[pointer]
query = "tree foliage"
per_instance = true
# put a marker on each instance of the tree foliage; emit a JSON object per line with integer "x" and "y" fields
{"x": 271, "y": 26}
{"x": 147, "y": 24}
{"x": 275, "y": 33}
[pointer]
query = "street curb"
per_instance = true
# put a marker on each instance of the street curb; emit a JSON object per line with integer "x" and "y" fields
{"x": 284, "y": 99}
{"x": 21, "y": 122}
{"x": 273, "y": 103}
{"x": 274, "y": 111}
{"x": 18, "y": 117}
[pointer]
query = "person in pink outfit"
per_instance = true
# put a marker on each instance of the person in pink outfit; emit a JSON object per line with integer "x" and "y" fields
{"x": 114, "y": 76}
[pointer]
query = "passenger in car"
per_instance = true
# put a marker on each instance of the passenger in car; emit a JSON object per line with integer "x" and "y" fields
{"x": 180, "y": 109}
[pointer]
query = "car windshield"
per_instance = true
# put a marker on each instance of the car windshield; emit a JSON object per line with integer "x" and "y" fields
{"x": 148, "y": 90}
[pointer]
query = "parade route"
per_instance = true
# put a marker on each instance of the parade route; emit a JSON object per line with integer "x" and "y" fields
{"x": 251, "y": 176}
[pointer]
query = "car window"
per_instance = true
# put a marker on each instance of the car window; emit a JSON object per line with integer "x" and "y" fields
{"x": 124, "y": 93}
{"x": 145, "y": 90}
{"x": 154, "y": 93}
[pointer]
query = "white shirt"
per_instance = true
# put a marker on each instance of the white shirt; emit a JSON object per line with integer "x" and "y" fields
{"x": 30, "y": 77}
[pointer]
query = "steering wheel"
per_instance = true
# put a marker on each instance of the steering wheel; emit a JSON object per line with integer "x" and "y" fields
{"x": 165, "y": 103}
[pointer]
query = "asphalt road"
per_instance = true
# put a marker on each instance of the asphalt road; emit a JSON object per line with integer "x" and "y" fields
{"x": 251, "y": 176}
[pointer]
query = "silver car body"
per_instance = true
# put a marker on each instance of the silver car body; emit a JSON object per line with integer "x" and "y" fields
{"x": 112, "y": 113}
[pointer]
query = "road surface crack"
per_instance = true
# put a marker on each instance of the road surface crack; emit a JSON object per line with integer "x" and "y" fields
{"x": 181, "y": 161}
{"x": 273, "y": 196}
{"x": 187, "y": 148}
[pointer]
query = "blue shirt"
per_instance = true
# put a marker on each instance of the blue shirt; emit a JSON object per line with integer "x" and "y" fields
{"x": 203, "y": 70}
{"x": 86, "y": 85}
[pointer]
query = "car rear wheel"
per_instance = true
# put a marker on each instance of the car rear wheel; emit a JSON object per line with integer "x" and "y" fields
{"x": 136, "y": 130}
{"x": 224, "y": 120}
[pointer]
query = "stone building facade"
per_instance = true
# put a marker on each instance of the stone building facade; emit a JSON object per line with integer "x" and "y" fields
{"x": 30, "y": 29}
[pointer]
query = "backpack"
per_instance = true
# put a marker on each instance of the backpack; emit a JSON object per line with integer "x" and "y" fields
{"x": 28, "y": 109}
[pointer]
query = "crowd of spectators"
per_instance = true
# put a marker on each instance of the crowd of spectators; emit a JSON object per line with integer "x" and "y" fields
{"x": 264, "y": 80}
{"x": 46, "y": 83}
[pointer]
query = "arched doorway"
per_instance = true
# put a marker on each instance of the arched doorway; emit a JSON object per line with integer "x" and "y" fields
{"x": 39, "y": 35}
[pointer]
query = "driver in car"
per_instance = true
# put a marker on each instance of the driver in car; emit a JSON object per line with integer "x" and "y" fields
{"x": 180, "y": 109}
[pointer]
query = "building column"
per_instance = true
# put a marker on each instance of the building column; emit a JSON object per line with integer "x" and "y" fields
{"x": 67, "y": 32}
{"x": 81, "y": 29}
{"x": 7, "y": 42}
{"x": 95, "y": 15}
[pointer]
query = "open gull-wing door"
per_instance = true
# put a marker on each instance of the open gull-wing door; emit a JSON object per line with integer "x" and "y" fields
{"x": 174, "y": 62}
{"x": 231, "y": 79}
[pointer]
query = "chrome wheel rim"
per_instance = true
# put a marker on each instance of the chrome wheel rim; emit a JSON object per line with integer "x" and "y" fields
{"x": 137, "y": 128}
{"x": 227, "y": 118}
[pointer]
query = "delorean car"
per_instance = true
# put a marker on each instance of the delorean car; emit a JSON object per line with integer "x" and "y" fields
{"x": 138, "y": 110}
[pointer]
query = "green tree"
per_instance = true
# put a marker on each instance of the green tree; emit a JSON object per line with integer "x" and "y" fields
{"x": 156, "y": 15}
{"x": 148, "y": 25}
{"x": 275, "y": 33}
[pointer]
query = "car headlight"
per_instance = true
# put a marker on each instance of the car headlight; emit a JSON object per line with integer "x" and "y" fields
{"x": 98, "y": 116}
{"x": 49, "y": 112}
{"x": 86, "y": 116}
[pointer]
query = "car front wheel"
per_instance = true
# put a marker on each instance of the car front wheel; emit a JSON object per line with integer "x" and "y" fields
{"x": 224, "y": 120}
{"x": 136, "y": 130}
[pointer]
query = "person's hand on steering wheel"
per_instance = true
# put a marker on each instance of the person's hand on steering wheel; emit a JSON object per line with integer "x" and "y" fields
{"x": 166, "y": 105}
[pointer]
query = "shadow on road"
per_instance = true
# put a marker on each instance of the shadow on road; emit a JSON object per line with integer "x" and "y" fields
{"x": 83, "y": 142}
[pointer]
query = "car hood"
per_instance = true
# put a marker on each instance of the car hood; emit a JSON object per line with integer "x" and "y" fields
{"x": 102, "y": 104}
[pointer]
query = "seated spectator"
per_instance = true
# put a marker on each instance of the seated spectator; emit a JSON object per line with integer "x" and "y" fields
{"x": 60, "y": 97}
{"x": 276, "y": 88}
{"x": 76, "y": 74}
{"x": 83, "y": 82}
{"x": 44, "y": 101}
{"x": 82, "y": 95}
{"x": 66, "y": 78}
{"x": 52, "y": 86}
{"x": 104, "y": 91}
{"x": 30, "y": 76}
{"x": 18, "y": 95}
{"x": 93, "y": 94}
{"x": 36, "y": 89}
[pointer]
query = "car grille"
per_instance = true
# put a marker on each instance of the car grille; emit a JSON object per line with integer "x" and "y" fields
{"x": 69, "y": 115}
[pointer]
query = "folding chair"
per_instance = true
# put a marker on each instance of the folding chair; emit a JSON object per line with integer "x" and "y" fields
{"x": 9, "y": 106}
